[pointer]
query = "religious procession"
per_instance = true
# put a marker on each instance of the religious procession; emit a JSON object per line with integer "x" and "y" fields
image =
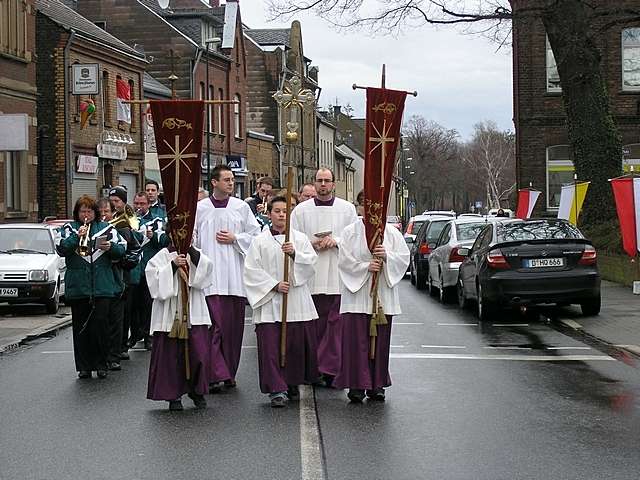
{"x": 316, "y": 274}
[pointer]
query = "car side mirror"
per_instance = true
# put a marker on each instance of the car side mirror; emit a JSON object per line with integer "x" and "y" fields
{"x": 464, "y": 252}
{"x": 410, "y": 239}
{"x": 432, "y": 245}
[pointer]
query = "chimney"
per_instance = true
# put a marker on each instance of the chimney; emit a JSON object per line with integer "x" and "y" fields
{"x": 336, "y": 112}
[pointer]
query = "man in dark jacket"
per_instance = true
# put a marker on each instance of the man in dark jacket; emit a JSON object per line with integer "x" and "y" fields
{"x": 257, "y": 202}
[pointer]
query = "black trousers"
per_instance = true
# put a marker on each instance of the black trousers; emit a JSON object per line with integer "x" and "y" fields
{"x": 90, "y": 343}
{"x": 141, "y": 310}
{"x": 115, "y": 327}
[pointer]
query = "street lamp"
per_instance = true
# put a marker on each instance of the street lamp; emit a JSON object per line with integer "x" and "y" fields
{"x": 208, "y": 42}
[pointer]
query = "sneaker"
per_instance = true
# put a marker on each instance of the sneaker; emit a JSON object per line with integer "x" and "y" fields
{"x": 114, "y": 366}
{"x": 377, "y": 394}
{"x": 278, "y": 400}
{"x": 84, "y": 374}
{"x": 124, "y": 356}
{"x": 355, "y": 395}
{"x": 102, "y": 373}
{"x": 294, "y": 392}
{"x": 198, "y": 400}
{"x": 175, "y": 405}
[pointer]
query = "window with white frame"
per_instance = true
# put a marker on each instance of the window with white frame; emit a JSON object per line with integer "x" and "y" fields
{"x": 15, "y": 166}
{"x": 553, "y": 78}
{"x": 13, "y": 28}
{"x": 559, "y": 171}
{"x": 631, "y": 59}
{"x": 236, "y": 116}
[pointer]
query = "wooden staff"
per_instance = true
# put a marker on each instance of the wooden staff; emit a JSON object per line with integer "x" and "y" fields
{"x": 287, "y": 230}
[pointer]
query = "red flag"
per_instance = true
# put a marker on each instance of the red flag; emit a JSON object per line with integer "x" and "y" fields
{"x": 178, "y": 127}
{"x": 623, "y": 192}
{"x": 527, "y": 199}
{"x": 382, "y": 135}
{"x": 123, "y": 113}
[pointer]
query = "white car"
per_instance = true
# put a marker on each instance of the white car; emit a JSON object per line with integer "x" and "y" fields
{"x": 31, "y": 271}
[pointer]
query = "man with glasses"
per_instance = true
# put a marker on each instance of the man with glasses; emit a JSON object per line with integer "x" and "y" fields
{"x": 323, "y": 219}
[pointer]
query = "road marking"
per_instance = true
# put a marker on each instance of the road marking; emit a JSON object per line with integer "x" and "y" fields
{"x": 397, "y": 346}
{"x": 510, "y": 324}
{"x": 568, "y": 348}
{"x": 571, "y": 324}
{"x": 311, "y": 455}
{"x": 443, "y": 346}
{"x": 457, "y": 324}
{"x": 58, "y": 351}
{"x": 529, "y": 358}
{"x": 249, "y": 346}
{"x": 507, "y": 347}
{"x": 407, "y": 323}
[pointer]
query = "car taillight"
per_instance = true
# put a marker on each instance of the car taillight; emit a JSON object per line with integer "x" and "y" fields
{"x": 495, "y": 259}
{"x": 424, "y": 248}
{"x": 589, "y": 256}
{"x": 454, "y": 256}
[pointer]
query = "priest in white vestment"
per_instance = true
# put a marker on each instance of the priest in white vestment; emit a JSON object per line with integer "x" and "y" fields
{"x": 167, "y": 370}
{"x": 224, "y": 230}
{"x": 358, "y": 373}
{"x": 264, "y": 279}
{"x": 323, "y": 220}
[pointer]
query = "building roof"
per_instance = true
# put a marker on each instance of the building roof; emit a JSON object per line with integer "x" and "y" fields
{"x": 69, "y": 19}
{"x": 152, "y": 85}
{"x": 270, "y": 36}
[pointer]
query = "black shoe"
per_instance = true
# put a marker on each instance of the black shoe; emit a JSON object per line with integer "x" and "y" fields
{"x": 215, "y": 388}
{"x": 132, "y": 342}
{"x": 294, "y": 392}
{"x": 148, "y": 343}
{"x": 279, "y": 401}
{"x": 355, "y": 395}
{"x": 84, "y": 374}
{"x": 114, "y": 366}
{"x": 377, "y": 394}
{"x": 198, "y": 400}
{"x": 327, "y": 380}
{"x": 175, "y": 405}
{"x": 124, "y": 356}
{"x": 102, "y": 373}
{"x": 230, "y": 384}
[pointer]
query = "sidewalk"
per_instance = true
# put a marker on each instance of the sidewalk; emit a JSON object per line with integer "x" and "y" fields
{"x": 619, "y": 320}
{"x": 20, "y": 323}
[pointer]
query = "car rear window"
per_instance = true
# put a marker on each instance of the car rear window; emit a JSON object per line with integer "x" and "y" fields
{"x": 541, "y": 230}
{"x": 435, "y": 230}
{"x": 469, "y": 231}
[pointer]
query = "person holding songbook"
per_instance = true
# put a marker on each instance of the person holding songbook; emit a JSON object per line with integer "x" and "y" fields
{"x": 263, "y": 278}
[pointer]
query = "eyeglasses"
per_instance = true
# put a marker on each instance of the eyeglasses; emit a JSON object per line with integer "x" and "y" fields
{"x": 324, "y": 180}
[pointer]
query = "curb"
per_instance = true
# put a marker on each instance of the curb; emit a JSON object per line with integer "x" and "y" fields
{"x": 47, "y": 330}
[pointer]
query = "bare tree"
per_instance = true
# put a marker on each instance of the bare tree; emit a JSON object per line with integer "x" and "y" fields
{"x": 571, "y": 26}
{"x": 491, "y": 156}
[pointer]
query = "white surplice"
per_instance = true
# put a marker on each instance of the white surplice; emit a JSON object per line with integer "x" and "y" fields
{"x": 228, "y": 260}
{"x": 264, "y": 269}
{"x": 164, "y": 287}
{"x": 356, "y": 278}
{"x": 311, "y": 219}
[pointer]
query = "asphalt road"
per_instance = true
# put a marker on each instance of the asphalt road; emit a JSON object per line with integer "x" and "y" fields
{"x": 519, "y": 400}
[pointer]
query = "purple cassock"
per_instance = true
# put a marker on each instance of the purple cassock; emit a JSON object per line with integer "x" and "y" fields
{"x": 167, "y": 373}
{"x": 227, "y": 329}
{"x": 329, "y": 331}
{"x": 300, "y": 365}
{"x": 357, "y": 370}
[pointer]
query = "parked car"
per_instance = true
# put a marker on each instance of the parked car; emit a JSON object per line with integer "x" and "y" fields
{"x": 529, "y": 262}
{"x": 421, "y": 248}
{"x": 445, "y": 260}
{"x": 440, "y": 213}
{"x": 473, "y": 215}
{"x": 414, "y": 225}
{"x": 30, "y": 269}
{"x": 396, "y": 221}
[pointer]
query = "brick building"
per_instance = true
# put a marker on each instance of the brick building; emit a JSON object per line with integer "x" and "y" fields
{"x": 18, "y": 123}
{"x": 543, "y": 155}
{"x": 106, "y": 152}
{"x": 174, "y": 42}
{"x": 274, "y": 55}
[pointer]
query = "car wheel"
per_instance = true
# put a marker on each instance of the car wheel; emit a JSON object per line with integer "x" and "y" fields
{"x": 486, "y": 308}
{"x": 444, "y": 293}
{"x": 591, "y": 307}
{"x": 412, "y": 276}
{"x": 421, "y": 282}
{"x": 432, "y": 289}
{"x": 53, "y": 304}
{"x": 463, "y": 303}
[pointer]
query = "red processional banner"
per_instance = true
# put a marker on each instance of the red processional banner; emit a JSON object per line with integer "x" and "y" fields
{"x": 626, "y": 192}
{"x": 382, "y": 135}
{"x": 178, "y": 128}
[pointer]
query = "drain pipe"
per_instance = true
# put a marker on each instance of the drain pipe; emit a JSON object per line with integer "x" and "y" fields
{"x": 67, "y": 127}
{"x": 193, "y": 73}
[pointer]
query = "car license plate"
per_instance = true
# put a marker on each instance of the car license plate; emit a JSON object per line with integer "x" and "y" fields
{"x": 8, "y": 292}
{"x": 544, "y": 262}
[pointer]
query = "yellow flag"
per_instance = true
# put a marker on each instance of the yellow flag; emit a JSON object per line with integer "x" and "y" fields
{"x": 571, "y": 199}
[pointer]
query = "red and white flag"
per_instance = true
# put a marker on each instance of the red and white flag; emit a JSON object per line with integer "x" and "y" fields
{"x": 626, "y": 191}
{"x": 527, "y": 199}
{"x": 124, "y": 94}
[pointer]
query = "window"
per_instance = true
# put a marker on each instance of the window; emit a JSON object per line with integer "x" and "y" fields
{"x": 220, "y": 115}
{"x": 15, "y": 180}
{"x": 202, "y": 91}
{"x": 13, "y": 28}
{"x": 132, "y": 106}
{"x": 236, "y": 117}
{"x": 631, "y": 157}
{"x": 559, "y": 171}
{"x": 210, "y": 110}
{"x": 631, "y": 59}
{"x": 445, "y": 235}
{"x": 106, "y": 99}
{"x": 553, "y": 78}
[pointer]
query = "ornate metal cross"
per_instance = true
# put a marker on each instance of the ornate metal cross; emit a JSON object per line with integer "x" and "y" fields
{"x": 294, "y": 96}
{"x": 177, "y": 157}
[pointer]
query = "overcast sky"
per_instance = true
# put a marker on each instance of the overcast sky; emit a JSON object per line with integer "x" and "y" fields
{"x": 460, "y": 79}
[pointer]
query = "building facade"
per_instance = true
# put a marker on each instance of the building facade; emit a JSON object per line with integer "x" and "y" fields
{"x": 19, "y": 131}
{"x": 543, "y": 154}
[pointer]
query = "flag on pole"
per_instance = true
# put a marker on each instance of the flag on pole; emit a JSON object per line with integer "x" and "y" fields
{"x": 626, "y": 191}
{"x": 527, "y": 199}
{"x": 571, "y": 200}
{"x": 124, "y": 94}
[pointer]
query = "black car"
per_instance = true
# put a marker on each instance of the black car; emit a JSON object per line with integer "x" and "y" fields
{"x": 421, "y": 248}
{"x": 529, "y": 262}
